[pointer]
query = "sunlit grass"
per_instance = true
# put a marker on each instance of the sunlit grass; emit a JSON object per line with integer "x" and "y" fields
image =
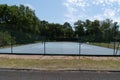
{"x": 56, "y": 64}
{"x": 107, "y": 45}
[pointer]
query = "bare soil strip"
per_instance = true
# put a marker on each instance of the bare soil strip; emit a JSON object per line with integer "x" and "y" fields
{"x": 42, "y": 57}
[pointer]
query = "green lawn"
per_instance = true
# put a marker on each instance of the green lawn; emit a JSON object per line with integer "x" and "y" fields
{"x": 107, "y": 45}
{"x": 56, "y": 64}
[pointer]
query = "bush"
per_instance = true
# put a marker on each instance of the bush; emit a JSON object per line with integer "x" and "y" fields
{"x": 6, "y": 39}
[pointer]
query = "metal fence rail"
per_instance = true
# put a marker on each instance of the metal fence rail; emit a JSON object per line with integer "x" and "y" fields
{"x": 26, "y": 43}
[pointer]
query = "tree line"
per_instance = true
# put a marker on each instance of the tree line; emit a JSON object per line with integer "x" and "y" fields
{"x": 19, "y": 24}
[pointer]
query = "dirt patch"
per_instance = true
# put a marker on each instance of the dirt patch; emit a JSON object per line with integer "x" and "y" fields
{"x": 103, "y": 58}
{"x": 42, "y": 57}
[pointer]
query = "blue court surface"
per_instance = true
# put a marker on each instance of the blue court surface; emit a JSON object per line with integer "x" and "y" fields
{"x": 60, "y": 48}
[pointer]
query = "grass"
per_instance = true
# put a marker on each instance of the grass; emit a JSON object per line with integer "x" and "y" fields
{"x": 107, "y": 45}
{"x": 56, "y": 64}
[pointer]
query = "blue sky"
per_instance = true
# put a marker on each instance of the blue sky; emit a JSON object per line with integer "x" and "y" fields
{"x": 60, "y": 11}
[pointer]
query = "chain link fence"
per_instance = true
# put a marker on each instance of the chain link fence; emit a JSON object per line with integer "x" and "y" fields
{"x": 28, "y": 43}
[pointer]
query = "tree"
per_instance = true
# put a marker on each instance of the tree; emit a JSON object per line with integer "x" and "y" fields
{"x": 79, "y": 28}
{"x": 108, "y": 28}
{"x": 43, "y": 27}
{"x": 18, "y": 20}
{"x": 25, "y": 27}
{"x": 68, "y": 31}
{"x": 95, "y": 31}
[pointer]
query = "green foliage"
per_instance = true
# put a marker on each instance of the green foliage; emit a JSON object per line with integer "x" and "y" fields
{"x": 79, "y": 28}
{"x": 97, "y": 31}
{"x": 19, "y": 20}
{"x": 6, "y": 39}
{"x": 25, "y": 27}
{"x": 68, "y": 31}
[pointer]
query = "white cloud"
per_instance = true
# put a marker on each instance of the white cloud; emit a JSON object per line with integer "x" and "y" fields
{"x": 99, "y": 17}
{"x": 30, "y": 6}
{"x": 109, "y": 13}
{"x": 70, "y": 18}
{"x": 92, "y": 9}
{"x": 72, "y": 7}
{"x": 79, "y": 3}
{"x": 98, "y": 2}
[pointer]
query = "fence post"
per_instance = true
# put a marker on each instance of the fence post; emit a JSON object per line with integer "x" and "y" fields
{"x": 44, "y": 46}
{"x": 3, "y": 44}
{"x": 114, "y": 37}
{"x": 79, "y": 47}
{"x": 11, "y": 43}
